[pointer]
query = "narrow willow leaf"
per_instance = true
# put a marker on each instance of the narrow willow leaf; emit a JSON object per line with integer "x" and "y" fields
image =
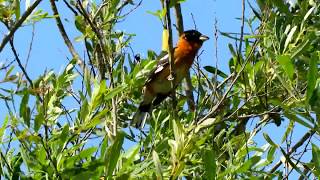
{"x": 316, "y": 160}
{"x": 286, "y": 64}
{"x": 312, "y": 76}
{"x": 157, "y": 164}
{"x": 209, "y": 159}
{"x": 113, "y": 154}
{"x": 3, "y": 128}
{"x": 17, "y": 9}
{"x": 288, "y": 131}
{"x": 206, "y": 123}
{"x": 39, "y": 118}
{"x": 268, "y": 139}
{"x": 300, "y": 49}
{"x": 270, "y": 155}
{"x": 289, "y": 37}
{"x": 24, "y": 109}
{"x": 308, "y": 13}
{"x": 114, "y": 92}
{"x": 293, "y": 117}
{"x": 248, "y": 164}
{"x": 131, "y": 156}
{"x": 214, "y": 70}
{"x": 316, "y": 156}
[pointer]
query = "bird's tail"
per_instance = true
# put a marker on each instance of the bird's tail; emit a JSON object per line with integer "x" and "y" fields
{"x": 140, "y": 117}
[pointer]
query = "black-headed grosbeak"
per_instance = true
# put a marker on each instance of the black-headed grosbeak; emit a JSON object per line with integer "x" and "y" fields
{"x": 158, "y": 85}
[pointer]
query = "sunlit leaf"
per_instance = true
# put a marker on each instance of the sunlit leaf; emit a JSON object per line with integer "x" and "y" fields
{"x": 113, "y": 153}
{"x": 286, "y": 64}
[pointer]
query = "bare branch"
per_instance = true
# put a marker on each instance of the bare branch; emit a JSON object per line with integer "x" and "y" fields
{"x": 19, "y": 62}
{"x": 170, "y": 52}
{"x": 188, "y": 85}
{"x": 64, "y": 33}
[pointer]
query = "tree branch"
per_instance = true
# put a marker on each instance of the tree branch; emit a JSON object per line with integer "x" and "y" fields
{"x": 294, "y": 148}
{"x": 18, "y": 23}
{"x": 64, "y": 33}
{"x": 188, "y": 85}
{"x": 170, "y": 52}
{"x": 19, "y": 63}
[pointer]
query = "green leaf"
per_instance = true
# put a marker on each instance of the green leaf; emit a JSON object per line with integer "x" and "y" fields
{"x": 113, "y": 154}
{"x": 288, "y": 131}
{"x": 300, "y": 49}
{"x": 308, "y": 14}
{"x": 160, "y": 14}
{"x": 255, "y": 12}
{"x": 316, "y": 159}
{"x": 282, "y": 7}
{"x": 289, "y": 37}
{"x": 214, "y": 70}
{"x": 312, "y": 75}
{"x": 113, "y": 92}
{"x": 286, "y": 64}
{"x": 38, "y": 120}
{"x": 231, "y": 49}
{"x": 3, "y": 128}
{"x": 268, "y": 139}
{"x": 209, "y": 159}
{"x": 316, "y": 155}
{"x": 293, "y": 117}
{"x": 84, "y": 154}
{"x": 96, "y": 119}
{"x": 130, "y": 156}
{"x": 157, "y": 164}
{"x": 24, "y": 108}
{"x": 248, "y": 164}
{"x": 64, "y": 134}
{"x": 270, "y": 155}
{"x": 17, "y": 8}
{"x": 80, "y": 24}
{"x": 104, "y": 146}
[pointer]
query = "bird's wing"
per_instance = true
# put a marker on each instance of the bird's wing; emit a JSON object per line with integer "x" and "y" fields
{"x": 162, "y": 64}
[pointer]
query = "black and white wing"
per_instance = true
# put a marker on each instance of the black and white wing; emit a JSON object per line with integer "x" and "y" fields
{"x": 163, "y": 63}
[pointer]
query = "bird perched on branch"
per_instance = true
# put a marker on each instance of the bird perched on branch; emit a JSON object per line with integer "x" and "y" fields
{"x": 158, "y": 85}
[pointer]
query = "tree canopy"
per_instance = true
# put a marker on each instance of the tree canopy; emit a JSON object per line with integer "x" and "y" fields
{"x": 209, "y": 130}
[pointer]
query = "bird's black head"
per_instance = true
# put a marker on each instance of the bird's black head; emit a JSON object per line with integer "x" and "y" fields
{"x": 194, "y": 36}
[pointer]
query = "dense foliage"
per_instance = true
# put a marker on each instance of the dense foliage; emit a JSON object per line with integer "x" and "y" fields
{"x": 273, "y": 82}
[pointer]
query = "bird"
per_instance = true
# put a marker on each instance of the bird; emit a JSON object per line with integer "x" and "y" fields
{"x": 158, "y": 85}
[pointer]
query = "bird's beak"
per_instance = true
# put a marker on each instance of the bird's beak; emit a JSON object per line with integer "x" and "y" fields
{"x": 203, "y": 38}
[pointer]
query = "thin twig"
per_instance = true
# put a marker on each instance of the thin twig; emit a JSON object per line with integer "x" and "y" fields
{"x": 217, "y": 106}
{"x": 241, "y": 30}
{"x": 19, "y": 63}
{"x": 18, "y": 23}
{"x": 6, "y": 162}
{"x": 194, "y": 22}
{"x": 70, "y": 7}
{"x": 30, "y": 46}
{"x": 64, "y": 33}
{"x": 294, "y": 148}
{"x": 216, "y": 54}
{"x": 299, "y": 159}
{"x": 170, "y": 52}
{"x": 4, "y": 66}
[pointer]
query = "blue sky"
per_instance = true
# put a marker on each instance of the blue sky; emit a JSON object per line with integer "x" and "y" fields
{"x": 50, "y": 52}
